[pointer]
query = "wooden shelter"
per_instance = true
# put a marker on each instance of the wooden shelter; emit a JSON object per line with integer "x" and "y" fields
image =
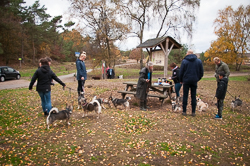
{"x": 166, "y": 44}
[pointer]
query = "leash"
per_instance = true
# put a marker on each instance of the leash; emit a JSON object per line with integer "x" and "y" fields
{"x": 230, "y": 94}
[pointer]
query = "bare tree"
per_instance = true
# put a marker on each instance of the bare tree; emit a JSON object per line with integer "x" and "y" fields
{"x": 101, "y": 22}
{"x": 169, "y": 16}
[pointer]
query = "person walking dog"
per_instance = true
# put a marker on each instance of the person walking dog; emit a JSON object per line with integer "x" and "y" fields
{"x": 191, "y": 72}
{"x": 143, "y": 85}
{"x": 221, "y": 93}
{"x": 81, "y": 73}
{"x": 44, "y": 75}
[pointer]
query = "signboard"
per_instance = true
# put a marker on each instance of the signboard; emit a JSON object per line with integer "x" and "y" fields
{"x": 158, "y": 58}
{"x": 77, "y": 54}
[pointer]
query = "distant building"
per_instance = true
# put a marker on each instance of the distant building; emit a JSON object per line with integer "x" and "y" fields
{"x": 247, "y": 61}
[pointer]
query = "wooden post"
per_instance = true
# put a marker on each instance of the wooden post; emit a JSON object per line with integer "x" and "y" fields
{"x": 166, "y": 59}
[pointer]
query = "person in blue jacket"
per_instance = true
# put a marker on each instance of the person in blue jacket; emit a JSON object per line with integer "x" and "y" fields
{"x": 81, "y": 75}
{"x": 191, "y": 72}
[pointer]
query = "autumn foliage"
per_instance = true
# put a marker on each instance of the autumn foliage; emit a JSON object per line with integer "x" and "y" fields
{"x": 233, "y": 29}
{"x": 135, "y": 54}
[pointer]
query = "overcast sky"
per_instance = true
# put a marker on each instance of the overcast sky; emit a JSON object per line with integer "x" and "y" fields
{"x": 204, "y": 29}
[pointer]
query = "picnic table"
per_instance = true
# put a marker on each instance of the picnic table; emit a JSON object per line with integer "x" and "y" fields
{"x": 164, "y": 91}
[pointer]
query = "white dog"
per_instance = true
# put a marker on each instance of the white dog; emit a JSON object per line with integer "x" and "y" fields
{"x": 201, "y": 105}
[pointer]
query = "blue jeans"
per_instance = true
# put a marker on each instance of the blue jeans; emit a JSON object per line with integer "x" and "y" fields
{"x": 177, "y": 88}
{"x": 46, "y": 101}
{"x": 186, "y": 87}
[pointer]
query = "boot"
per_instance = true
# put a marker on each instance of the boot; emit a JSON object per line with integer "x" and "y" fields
{"x": 145, "y": 105}
{"x": 142, "y": 106}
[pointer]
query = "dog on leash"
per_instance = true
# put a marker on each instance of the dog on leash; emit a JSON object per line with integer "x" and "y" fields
{"x": 201, "y": 105}
{"x": 55, "y": 114}
{"x": 94, "y": 105}
{"x": 102, "y": 101}
{"x": 80, "y": 98}
{"x": 235, "y": 103}
{"x": 117, "y": 102}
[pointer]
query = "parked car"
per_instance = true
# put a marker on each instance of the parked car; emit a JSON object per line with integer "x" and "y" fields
{"x": 7, "y": 72}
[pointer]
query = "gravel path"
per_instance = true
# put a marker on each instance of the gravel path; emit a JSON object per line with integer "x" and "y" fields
{"x": 13, "y": 84}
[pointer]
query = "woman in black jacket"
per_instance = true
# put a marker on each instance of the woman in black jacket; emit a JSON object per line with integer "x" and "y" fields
{"x": 176, "y": 78}
{"x": 44, "y": 75}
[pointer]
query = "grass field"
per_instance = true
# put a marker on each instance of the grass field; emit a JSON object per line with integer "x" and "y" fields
{"x": 154, "y": 137}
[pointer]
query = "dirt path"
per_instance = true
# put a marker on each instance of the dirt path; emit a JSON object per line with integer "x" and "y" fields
{"x": 22, "y": 83}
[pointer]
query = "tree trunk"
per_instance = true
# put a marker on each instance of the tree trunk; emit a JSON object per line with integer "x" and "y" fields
{"x": 238, "y": 66}
{"x": 33, "y": 52}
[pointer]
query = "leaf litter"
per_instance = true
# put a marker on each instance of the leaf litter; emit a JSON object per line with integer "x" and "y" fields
{"x": 154, "y": 137}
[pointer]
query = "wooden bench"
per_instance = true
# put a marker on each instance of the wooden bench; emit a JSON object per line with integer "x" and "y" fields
{"x": 126, "y": 92}
{"x": 160, "y": 96}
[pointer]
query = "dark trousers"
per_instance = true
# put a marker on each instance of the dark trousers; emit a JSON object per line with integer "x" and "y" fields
{"x": 220, "y": 106}
{"x": 80, "y": 87}
{"x": 192, "y": 87}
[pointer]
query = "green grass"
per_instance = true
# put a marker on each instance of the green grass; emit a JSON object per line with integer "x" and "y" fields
{"x": 231, "y": 78}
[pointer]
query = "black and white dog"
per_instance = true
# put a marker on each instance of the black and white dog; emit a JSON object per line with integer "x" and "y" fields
{"x": 102, "y": 101}
{"x": 94, "y": 105}
{"x": 55, "y": 114}
{"x": 237, "y": 102}
{"x": 176, "y": 106}
{"x": 123, "y": 102}
{"x": 81, "y": 97}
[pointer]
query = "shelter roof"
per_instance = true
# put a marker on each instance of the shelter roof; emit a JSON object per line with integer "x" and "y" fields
{"x": 151, "y": 43}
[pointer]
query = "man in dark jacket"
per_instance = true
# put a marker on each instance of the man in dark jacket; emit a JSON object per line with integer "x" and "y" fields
{"x": 190, "y": 73}
{"x": 221, "y": 93}
{"x": 143, "y": 85}
{"x": 44, "y": 75}
{"x": 111, "y": 73}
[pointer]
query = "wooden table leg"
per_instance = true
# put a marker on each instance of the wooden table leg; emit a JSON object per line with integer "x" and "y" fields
{"x": 123, "y": 95}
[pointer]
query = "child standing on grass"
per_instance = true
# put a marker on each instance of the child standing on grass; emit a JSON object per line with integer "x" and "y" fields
{"x": 221, "y": 93}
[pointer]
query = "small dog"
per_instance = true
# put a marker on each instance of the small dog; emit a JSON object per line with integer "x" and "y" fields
{"x": 55, "y": 114}
{"x": 102, "y": 101}
{"x": 201, "y": 105}
{"x": 123, "y": 102}
{"x": 80, "y": 98}
{"x": 94, "y": 105}
{"x": 175, "y": 106}
{"x": 120, "y": 77}
{"x": 235, "y": 103}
